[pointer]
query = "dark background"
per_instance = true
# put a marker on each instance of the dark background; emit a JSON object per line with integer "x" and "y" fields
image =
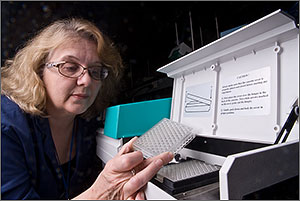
{"x": 144, "y": 31}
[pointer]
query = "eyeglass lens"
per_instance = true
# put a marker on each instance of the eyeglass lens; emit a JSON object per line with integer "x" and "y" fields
{"x": 70, "y": 69}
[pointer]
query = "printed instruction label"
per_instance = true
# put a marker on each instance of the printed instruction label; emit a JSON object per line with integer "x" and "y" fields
{"x": 246, "y": 94}
{"x": 198, "y": 100}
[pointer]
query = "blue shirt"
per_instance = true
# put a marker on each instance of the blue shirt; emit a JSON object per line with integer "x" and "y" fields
{"x": 29, "y": 166}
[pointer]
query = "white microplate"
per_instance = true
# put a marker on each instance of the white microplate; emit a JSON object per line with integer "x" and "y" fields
{"x": 185, "y": 170}
{"x": 164, "y": 136}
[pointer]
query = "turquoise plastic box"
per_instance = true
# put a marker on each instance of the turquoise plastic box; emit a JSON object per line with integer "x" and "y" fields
{"x": 134, "y": 119}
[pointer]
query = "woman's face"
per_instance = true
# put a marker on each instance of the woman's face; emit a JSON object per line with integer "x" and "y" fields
{"x": 71, "y": 96}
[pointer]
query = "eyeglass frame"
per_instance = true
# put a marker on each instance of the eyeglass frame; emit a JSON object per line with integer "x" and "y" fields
{"x": 58, "y": 63}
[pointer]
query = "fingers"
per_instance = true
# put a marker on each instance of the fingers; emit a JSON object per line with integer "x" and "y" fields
{"x": 140, "y": 195}
{"x": 166, "y": 158}
{"x": 132, "y": 197}
{"x": 128, "y": 147}
{"x": 127, "y": 161}
{"x": 142, "y": 177}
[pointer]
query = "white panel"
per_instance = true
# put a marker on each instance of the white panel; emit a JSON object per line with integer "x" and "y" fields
{"x": 202, "y": 85}
{"x": 250, "y": 117}
{"x": 289, "y": 74}
{"x": 249, "y": 55}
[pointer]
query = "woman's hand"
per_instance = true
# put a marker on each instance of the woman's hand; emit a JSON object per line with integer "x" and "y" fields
{"x": 126, "y": 175}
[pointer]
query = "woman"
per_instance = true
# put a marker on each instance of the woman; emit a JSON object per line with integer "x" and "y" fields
{"x": 52, "y": 91}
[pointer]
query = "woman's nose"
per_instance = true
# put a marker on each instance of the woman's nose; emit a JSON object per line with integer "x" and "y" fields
{"x": 84, "y": 79}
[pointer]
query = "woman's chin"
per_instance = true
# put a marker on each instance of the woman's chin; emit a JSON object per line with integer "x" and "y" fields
{"x": 77, "y": 111}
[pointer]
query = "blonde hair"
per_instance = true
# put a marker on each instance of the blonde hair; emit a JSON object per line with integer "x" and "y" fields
{"x": 21, "y": 76}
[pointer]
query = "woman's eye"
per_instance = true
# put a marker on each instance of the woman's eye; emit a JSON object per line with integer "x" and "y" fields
{"x": 71, "y": 68}
{"x": 95, "y": 71}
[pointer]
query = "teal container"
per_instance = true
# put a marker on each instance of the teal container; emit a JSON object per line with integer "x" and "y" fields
{"x": 134, "y": 119}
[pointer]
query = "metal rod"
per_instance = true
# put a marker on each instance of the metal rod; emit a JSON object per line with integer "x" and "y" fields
{"x": 217, "y": 27}
{"x": 192, "y": 35}
{"x": 177, "y": 41}
{"x": 288, "y": 125}
{"x": 201, "y": 37}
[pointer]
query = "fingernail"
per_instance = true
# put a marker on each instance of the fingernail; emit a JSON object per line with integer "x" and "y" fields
{"x": 159, "y": 162}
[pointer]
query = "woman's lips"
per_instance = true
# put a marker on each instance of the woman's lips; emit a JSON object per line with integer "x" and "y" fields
{"x": 80, "y": 96}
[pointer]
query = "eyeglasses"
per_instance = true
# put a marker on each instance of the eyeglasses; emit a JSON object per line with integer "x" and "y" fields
{"x": 75, "y": 70}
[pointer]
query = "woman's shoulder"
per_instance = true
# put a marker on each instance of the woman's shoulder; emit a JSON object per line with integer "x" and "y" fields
{"x": 11, "y": 113}
{"x": 8, "y": 105}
